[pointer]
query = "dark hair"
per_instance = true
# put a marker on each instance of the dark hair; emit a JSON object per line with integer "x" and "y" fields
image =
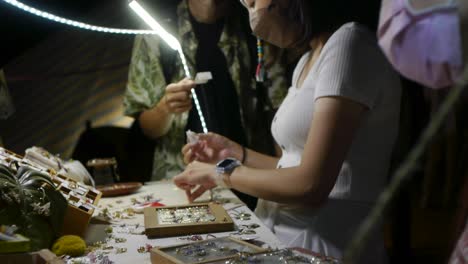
{"x": 326, "y": 16}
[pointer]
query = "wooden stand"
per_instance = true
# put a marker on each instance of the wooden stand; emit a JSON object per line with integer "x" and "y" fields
{"x": 163, "y": 255}
{"x": 153, "y": 228}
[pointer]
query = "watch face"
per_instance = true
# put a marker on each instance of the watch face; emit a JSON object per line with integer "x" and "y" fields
{"x": 225, "y": 163}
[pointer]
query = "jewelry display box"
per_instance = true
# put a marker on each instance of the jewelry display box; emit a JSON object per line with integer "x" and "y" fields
{"x": 281, "y": 256}
{"x": 186, "y": 220}
{"x": 82, "y": 199}
{"x": 217, "y": 250}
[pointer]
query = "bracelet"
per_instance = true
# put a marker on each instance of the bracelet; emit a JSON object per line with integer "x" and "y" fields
{"x": 244, "y": 154}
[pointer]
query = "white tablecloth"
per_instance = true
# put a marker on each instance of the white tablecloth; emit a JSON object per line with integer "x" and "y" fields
{"x": 169, "y": 195}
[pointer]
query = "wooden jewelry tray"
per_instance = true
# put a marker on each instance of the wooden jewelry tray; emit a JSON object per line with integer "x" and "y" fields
{"x": 216, "y": 220}
{"x": 215, "y": 250}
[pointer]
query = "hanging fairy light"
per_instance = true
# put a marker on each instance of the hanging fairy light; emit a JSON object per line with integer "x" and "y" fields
{"x": 75, "y": 23}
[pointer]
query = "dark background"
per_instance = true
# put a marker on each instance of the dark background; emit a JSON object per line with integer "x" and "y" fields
{"x": 21, "y": 30}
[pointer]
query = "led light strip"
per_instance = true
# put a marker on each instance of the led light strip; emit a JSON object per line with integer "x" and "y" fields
{"x": 74, "y": 23}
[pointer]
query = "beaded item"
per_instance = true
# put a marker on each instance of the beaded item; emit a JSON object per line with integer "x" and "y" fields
{"x": 120, "y": 240}
{"x": 243, "y": 216}
{"x": 120, "y": 250}
{"x": 260, "y": 72}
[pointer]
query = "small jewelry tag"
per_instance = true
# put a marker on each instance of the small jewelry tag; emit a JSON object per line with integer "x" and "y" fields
{"x": 192, "y": 137}
{"x": 203, "y": 77}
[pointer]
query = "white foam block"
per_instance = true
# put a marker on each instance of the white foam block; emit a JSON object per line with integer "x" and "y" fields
{"x": 192, "y": 137}
{"x": 203, "y": 77}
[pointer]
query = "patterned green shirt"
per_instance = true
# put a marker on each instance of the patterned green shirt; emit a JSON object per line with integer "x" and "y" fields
{"x": 146, "y": 84}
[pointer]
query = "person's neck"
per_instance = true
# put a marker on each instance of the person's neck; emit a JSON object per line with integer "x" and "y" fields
{"x": 316, "y": 45}
{"x": 207, "y": 11}
{"x": 318, "y": 42}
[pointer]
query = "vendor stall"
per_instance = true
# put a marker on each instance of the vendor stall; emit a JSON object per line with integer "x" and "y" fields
{"x": 124, "y": 240}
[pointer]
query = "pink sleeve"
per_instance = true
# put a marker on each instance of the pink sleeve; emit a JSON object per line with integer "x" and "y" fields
{"x": 424, "y": 47}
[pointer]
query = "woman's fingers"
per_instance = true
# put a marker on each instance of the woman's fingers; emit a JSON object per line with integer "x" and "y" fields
{"x": 182, "y": 96}
{"x": 183, "y": 109}
{"x": 197, "y": 193}
{"x": 177, "y": 103}
{"x": 188, "y": 156}
{"x": 184, "y": 185}
{"x": 193, "y": 151}
{"x": 207, "y": 136}
{"x": 178, "y": 96}
{"x": 188, "y": 194}
{"x": 187, "y": 147}
{"x": 184, "y": 85}
{"x": 196, "y": 174}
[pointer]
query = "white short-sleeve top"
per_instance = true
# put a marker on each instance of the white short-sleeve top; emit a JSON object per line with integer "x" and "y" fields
{"x": 350, "y": 65}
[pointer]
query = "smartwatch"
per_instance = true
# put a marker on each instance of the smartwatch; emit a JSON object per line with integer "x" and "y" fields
{"x": 225, "y": 167}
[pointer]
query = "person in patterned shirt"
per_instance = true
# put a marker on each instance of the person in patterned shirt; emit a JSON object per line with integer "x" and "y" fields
{"x": 215, "y": 37}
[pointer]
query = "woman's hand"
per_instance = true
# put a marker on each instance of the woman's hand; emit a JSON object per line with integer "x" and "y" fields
{"x": 178, "y": 98}
{"x": 196, "y": 174}
{"x": 211, "y": 148}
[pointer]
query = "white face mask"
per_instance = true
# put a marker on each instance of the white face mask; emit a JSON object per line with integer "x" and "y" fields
{"x": 271, "y": 25}
{"x": 421, "y": 39}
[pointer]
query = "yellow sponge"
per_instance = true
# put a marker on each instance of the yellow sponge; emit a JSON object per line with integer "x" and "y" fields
{"x": 69, "y": 245}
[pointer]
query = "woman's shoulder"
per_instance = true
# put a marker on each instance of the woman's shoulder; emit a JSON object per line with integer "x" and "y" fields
{"x": 353, "y": 32}
{"x": 353, "y": 42}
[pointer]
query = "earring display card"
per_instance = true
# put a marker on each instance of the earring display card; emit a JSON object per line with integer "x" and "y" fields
{"x": 12, "y": 160}
{"x": 187, "y": 220}
{"x": 216, "y": 250}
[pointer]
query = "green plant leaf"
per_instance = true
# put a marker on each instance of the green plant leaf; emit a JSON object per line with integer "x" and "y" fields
{"x": 10, "y": 215}
{"x": 38, "y": 230}
{"x": 58, "y": 208}
{"x": 7, "y": 175}
{"x": 34, "y": 189}
{"x": 28, "y": 176}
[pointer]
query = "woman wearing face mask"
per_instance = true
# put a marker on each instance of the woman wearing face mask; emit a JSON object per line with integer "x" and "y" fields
{"x": 336, "y": 129}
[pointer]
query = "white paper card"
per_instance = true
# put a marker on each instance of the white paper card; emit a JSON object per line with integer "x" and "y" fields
{"x": 203, "y": 77}
{"x": 192, "y": 137}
